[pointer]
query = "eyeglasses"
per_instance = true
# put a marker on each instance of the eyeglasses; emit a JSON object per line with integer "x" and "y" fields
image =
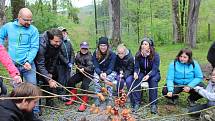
{"x": 27, "y": 20}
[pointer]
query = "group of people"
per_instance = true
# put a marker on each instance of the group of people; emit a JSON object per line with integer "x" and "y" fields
{"x": 51, "y": 55}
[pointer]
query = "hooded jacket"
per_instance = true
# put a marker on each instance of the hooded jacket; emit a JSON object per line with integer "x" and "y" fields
{"x": 47, "y": 56}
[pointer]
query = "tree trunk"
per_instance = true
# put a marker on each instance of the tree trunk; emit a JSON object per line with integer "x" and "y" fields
{"x": 176, "y": 22}
{"x": 192, "y": 22}
{"x": 54, "y": 5}
{"x": 16, "y": 6}
{"x": 209, "y": 31}
{"x": 116, "y": 22}
{"x": 95, "y": 17}
{"x": 2, "y": 12}
{"x": 110, "y": 19}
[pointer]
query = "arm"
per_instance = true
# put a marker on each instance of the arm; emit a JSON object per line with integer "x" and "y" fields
{"x": 170, "y": 77}
{"x": 3, "y": 34}
{"x": 130, "y": 69}
{"x": 7, "y": 62}
{"x": 111, "y": 64}
{"x": 198, "y": 76}
{"x": 155, "y": 65}
{"x": 33, "y": 47}
{"x": 206, "y": 93}
{"x": 136, "y": 65}
{"x": 89, "y": 63}
{"x": 96, "y": 64}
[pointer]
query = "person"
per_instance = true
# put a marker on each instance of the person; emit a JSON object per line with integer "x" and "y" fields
{"x": 84, "y": 63}
{"x": 50, "y": 42}
{"x": 146, "y": 68}
{"x": 65, "y": 61}
{"x": 103, "y": 61}
{"x": 23, "y": 43}
{"x": 211, "y": 55}
{"x": 124, "y": 67}
{"x": 16, "y": 109}
{"x": 183, "y": 75}
{"x": 208, "y": 93}
{"x": 12, "y": 70}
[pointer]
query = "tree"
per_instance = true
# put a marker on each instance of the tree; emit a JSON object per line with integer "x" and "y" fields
{"x": 54, "y": 5}
{"x": 2, "y": 12}
{"x": 16, "y": 6}
{"x": 115, "y": 5}
{"x": 193, "y": 13}
{"x": 176, "y": 21}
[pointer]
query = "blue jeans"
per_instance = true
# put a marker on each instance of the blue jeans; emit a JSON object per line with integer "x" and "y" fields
{"x": 28, "y": 75}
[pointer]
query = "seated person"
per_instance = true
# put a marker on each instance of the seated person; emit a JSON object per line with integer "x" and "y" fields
{"x": 183, "y": 75}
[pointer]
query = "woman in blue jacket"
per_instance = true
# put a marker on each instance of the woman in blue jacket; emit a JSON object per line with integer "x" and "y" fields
{"x": 104, "y": 60}
{"x": 146, "y": 68}
{"x": 183, "y": 75}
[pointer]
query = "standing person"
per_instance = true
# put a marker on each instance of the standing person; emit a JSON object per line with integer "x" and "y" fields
{"x": 23, "y": 43}
{"x": 183, "y": 75}
{"x": 104, "y": 60}
{"x": 208, "y": 93}
{"x": 83, "y": 61}
{"x": 12, "y": 70}
{"x": 124, "y": 68}
{"x": 15, "y": 109}
{"x": 146, "y": 68}
{"x": 46, "y": 58}
{"x": 211, "y": 55}
{"x": 65, "y": 61}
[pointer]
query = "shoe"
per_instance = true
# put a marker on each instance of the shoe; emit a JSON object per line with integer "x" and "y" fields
{"x": 72, "y": 98}
{"x": 154, "y": 109}
{"x": 191, "y": 103}
{"x": 136, "y": 107}
{"x": 172, "y": 101}
{"x": 83, "y": 105}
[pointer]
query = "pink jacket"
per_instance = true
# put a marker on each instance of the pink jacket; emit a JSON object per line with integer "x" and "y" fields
{"x": 7, "y": 62}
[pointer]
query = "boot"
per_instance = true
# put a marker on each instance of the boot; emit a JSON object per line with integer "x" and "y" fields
{"x": 154, "y": 109}
{"x": 83, "y": 105}
{"x": 72, "y": 98}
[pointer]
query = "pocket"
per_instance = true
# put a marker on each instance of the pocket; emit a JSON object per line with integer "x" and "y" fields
{"x": 24, "y": 39}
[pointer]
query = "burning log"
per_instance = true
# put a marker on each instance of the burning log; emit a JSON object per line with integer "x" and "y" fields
{"x": 101, "y": 97}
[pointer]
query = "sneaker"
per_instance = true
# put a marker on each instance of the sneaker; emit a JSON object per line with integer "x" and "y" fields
{"x": 153, "y": 109}
{"x": 191, "y": 103}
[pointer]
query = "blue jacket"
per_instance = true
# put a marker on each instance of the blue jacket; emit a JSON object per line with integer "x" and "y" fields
{"x": 183, "y": 74}
{"x": 145, "y": 66}
{"x": 107, "y": 65}
{"x": 23, "y": 43}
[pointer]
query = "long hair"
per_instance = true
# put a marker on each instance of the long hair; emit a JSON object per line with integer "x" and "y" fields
{"x": 99, "y": 53}
{"x": 188, "y": 52}
{"x": 151, "y": 47}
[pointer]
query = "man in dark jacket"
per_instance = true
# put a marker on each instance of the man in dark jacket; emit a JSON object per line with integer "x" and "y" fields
{"x": 15, "y": 110}
{"x": 211, "y": 55}
{"x": 65, "y": 60}
{"x": 46, "y": 58}
{"x": 124, "y": 67}
{"x": 84, "y": 63}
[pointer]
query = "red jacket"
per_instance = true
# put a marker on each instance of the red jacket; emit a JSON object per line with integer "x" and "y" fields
{"x": 7, "y": 62}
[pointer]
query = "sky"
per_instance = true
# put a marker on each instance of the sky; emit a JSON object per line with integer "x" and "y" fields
{"x": 76, "y": 3}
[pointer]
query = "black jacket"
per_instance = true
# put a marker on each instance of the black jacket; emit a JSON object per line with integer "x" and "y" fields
{"x": 66, "y": 54}
{"x": 46, "y": 58}
{"x": 211, "y": 55}
{"x": 126, "y": 65}
{"x": 84, "y": 61}
{"x": 10, "y": 112}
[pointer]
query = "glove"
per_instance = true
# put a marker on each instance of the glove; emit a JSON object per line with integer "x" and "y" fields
{"x": 70, "y": 65}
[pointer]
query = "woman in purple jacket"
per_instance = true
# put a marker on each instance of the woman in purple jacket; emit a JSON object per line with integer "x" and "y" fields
{"x": 146, "y": 68}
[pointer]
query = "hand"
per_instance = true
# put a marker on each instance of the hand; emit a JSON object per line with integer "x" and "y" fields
{"x": 103, "y": 76}
{"x": 27, "y": 66}
{"x": 50, "y": 75}
{"x": 145, "y": 78}
{"x": 121, "y": 75}
{"x": 52, "y": 83}
{"x": 186, "y": 89}
{"x": 169, "y": 94}
{"x": 70, "y": 65}
{"x": 135, "y": 76}
{"x": 17, "y": 79}
{"x": 81, "y": 70}
{"x": 197, "y": 88}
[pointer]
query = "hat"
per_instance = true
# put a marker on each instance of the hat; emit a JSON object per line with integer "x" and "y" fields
{"x": 62, "y": 28}
{"x": 84, "y": 44}
{"x": 103, "y": 40}
{"x": 149, "y": 40}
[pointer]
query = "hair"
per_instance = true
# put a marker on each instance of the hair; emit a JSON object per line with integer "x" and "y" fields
{"x": 54, "y": 32}
{"x": 121, "y": 46}
{"x": 25, "y": 90}
{"x": 188, "y": 52}
{"x": 151, "y": 47}
{"x": 99, "y": 53}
